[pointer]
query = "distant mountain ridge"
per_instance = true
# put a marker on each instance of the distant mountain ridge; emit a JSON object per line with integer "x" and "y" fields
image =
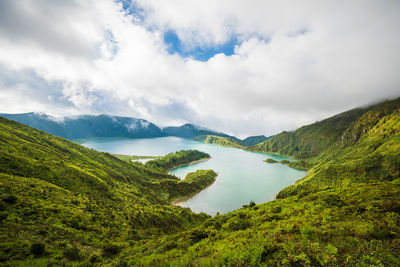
{"x": 94, "y": 126}
{"x": 189, "y": 131}
{"x": 87, "y": 126}
{"x": 254, "y": 140}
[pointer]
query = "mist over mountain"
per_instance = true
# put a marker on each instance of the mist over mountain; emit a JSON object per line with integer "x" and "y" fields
{"x": 93, "y": 126}
{"x": 87, "y": 126}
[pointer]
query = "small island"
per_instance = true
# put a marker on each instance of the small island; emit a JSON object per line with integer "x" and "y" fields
{"x": 271, "y": 161}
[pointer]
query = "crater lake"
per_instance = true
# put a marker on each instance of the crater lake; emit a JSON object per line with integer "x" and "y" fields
{"x": 243, "y": 176}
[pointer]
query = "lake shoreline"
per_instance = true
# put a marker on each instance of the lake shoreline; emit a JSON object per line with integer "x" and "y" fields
{"x": 184, "y": 198}
{"x": 237, "y": 169}
{"x": 188, "y": 164}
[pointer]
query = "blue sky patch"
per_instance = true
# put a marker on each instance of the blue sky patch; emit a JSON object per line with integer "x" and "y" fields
{"x": 131, "y": 8}
{"x": 200, "y": 53}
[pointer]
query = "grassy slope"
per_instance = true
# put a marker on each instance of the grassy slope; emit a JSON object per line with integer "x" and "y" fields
{"x": 254, "y": 140}
{"x": 311, "y": 140}
{"x": 76, "y": 200}
{"x": 218, "y": 140}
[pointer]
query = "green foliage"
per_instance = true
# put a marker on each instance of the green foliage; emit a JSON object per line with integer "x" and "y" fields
{"x": 38, "y": 249}
{"x": 253, "y": 140}
{"x": 173, "y": 160}
{"x": 110, "y": 250}
{"x": 219, "y": 140}
{"x": 271, "y": 161}
{"x": 342, "y": 129}
{"x": 61, "y": 193}
{"x": 72, "y": 253}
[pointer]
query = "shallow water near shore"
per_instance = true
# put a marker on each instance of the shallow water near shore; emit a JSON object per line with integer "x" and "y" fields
{"x": 242, "y": 175}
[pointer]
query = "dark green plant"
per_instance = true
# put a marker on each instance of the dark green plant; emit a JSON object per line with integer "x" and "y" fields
{"x": 38, "y": 249}
{"x": 72, "y": 253}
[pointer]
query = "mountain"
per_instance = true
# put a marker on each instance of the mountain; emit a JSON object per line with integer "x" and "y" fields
{"x": 311, "y": 140}
{"x": 230, "y": 141}
{"x": 218, "y": 140}
{"x": 87, "y": 126}
{"x": 63, "y": 204}
{"x": 93, "y": 126}
{"x": 254, "y": 140}
{"x": 189, "y": 131}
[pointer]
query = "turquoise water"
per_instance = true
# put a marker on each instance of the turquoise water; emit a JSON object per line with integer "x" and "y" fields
{"x": 242, "y": 175}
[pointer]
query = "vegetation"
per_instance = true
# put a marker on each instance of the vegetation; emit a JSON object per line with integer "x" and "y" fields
{"x": 173, "y": 160}
{"x": 253, "y": 140}
{"x": 61, "y": 202}
{"x": 343, "y": 129}
{"x": 94, "y": 209}
{"x": 218, "y": 140}
{"x": 271, "y": 161}
{"x": 191, "y": 131}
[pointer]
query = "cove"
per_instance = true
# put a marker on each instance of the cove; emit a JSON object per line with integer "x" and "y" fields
{"x": 242, "y": 175}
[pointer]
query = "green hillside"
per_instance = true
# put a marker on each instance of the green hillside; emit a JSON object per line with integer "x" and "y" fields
{"x": 68, "y": 205}
{"x": 253, "y": 140}
{"x": 79, "y": 203}
{"x": 342, "y": 129}
{"x": 218, "y": 140}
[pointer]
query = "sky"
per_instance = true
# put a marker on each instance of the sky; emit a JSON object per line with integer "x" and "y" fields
{"x": 240, "y": 67}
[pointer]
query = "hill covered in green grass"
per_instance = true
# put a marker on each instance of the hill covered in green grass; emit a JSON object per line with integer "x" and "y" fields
{"x": 254, "y": 140}
{"x": 218, "y": 140}
{"x": 72, "y": 203}
{"x": 340, "y": 130}
{"x": 65, "y": 204}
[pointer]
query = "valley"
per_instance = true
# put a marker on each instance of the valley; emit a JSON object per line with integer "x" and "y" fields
{"x": 64, "y": 203}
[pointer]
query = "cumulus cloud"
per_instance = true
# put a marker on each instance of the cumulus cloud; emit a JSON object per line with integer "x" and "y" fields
{"x": 294, "y": 62}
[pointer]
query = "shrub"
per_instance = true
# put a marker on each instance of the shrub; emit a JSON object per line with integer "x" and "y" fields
{"x": 72, "y": 253}
{"x": 38, "y": 249}
{"x": 110, "y": 250}
{"x": 10, "y": 199}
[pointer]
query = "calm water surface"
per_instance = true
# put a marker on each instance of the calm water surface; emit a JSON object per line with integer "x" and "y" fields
{"x": 242, "y": 175}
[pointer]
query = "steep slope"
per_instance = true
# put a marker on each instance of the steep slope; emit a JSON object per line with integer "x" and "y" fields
{"x": 189, "y": 131}
{"x": 66, "y": 202}
{"x": 345, "y": 128}
{"x": 87, "y": 126}
{"x": 218, "y": 140}
{"x": 254, "y": 140}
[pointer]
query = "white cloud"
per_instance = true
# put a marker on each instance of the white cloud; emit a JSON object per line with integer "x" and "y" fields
{"x": 297, "y": 61}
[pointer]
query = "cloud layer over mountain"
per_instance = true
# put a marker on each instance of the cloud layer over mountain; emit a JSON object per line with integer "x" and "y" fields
{"x": 293, "y": 62}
